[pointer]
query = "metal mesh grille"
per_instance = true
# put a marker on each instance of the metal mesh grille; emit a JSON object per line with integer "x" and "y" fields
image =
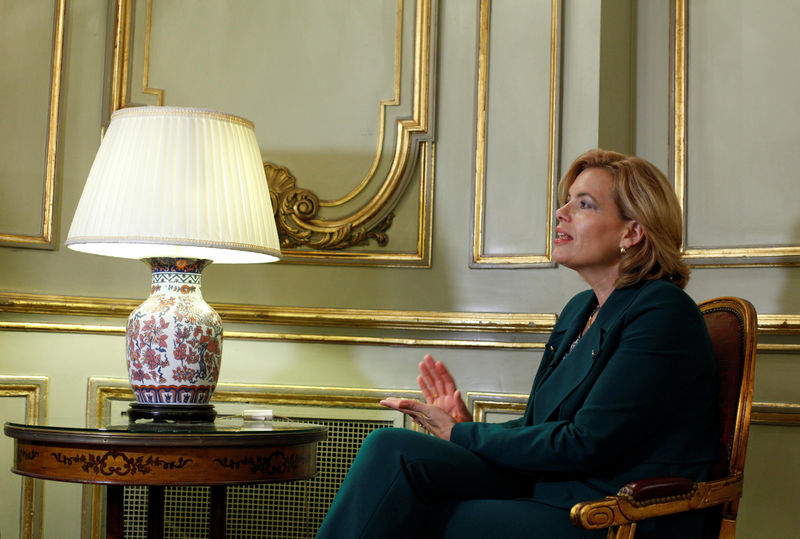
{"x": 135, "y": 511}
{"x": 270, "y": 511}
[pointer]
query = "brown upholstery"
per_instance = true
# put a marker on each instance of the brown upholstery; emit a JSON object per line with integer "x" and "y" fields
{"x": 727, "y": 338}
{"x": 732, "y": 326}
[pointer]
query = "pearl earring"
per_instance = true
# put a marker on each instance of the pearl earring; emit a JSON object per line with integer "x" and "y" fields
{"x": 622, "y": 250}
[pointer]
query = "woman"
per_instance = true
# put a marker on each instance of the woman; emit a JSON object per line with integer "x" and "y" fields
{"x": 625, "y": 390}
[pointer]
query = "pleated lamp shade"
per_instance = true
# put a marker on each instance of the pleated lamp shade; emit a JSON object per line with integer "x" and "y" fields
{"x": 177, "y": 182}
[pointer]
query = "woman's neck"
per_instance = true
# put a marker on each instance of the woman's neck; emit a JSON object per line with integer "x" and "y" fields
{"x": 602, "y": 289}
{"x": 602, "y": 281}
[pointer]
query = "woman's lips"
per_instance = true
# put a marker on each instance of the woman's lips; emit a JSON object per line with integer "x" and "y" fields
{"x": 562, "y": 237}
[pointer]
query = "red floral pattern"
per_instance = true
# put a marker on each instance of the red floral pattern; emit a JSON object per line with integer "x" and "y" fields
{"x": 174, "y": 339}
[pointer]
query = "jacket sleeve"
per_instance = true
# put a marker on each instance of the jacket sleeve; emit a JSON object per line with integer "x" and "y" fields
{"x": 653, "y": 393}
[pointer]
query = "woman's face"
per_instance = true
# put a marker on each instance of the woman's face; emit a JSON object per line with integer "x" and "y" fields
{"x": 590, "y": 229}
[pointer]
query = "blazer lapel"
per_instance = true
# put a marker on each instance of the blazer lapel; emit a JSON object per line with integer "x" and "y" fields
{"x": 566, "y": 330}
{"x": 567, "y": 373}
{"x": 552, "y": 376}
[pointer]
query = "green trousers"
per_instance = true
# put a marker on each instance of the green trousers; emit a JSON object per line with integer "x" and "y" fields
{"x": 407, "y": 485}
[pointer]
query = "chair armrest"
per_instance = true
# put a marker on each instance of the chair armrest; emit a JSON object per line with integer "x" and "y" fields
{"x": 641, "y": 500}
{"x": 657, "y": 489}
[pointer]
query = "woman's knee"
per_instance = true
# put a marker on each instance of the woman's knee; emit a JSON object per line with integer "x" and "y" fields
{"x": 388, "y": 440}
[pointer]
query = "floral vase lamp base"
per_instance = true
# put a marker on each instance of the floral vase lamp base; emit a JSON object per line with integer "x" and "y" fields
{"x": 174, "y": 345}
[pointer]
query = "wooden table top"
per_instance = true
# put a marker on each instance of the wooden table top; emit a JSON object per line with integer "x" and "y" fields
{"x": 228, "y": 451}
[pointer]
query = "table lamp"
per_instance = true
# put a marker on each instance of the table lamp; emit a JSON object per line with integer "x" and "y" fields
{"x": 178, "y": 188}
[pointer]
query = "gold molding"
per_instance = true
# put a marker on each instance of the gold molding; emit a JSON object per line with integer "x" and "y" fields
{"x": 298, "y": 226}
{"x": 299, "y": 316}
{"x": 296, "y": 211}
{"x": 784, "y": 324}
{"x": 420, "y": 257}
{"x": 46, "y": 237}
{"x": 783, "y": 414}
{"x": 290, "y": 337}
{"x": 479, "y": 259}
{"x": 705, "y": 257}
{"x": 158, "y": 92}
{"x": 498, "y": 326}
{"x": 34, "y": 389}
{"x": 305, "y": 237}
{"x": 538, "y": 323}
{"x": 485, "y": 403}
{"x": 779, "y": 348}
{"x": 120, "y": 55}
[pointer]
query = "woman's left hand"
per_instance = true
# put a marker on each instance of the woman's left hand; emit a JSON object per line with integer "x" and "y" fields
{"x": 430, "y": 417}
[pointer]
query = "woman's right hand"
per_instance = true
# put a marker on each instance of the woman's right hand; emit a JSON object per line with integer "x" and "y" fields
{"x": 439, "y": 389}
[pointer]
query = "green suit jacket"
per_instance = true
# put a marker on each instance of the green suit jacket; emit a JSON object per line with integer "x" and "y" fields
{"x": 635, "y": 398}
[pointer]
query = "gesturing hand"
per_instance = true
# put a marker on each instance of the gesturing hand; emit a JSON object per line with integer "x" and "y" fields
{"x": 439, "y": 389}
{"x": 430, "y": 417}
{"x": 443, "y": 406}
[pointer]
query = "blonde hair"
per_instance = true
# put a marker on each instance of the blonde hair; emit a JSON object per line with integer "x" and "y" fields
{"x": 643, "y": 194}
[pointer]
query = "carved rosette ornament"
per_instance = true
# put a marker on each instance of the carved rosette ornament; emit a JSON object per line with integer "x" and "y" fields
{"x": 296, "y": 216}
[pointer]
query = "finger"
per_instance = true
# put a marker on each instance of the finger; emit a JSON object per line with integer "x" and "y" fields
{"x": 427, "y": 367}
{"x": 399, "y": 405}
{"x": 448, "y": 384}
{"x": 425, "y": 374}
{"x": 396, "y": 402}
{"x": 389, "y": 402}
{"x": 426, "y": 391}
{"x": 429, "y": 380}
{"x": 441, "y": 377}
{"x": 429, "y": 361}
{"x": 411, "y": 405}
{"x": 462, "y": 407}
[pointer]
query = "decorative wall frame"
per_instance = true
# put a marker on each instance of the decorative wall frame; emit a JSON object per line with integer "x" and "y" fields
{"x": 769, "y": 255}
{"x": 494, "y": 331}
{"x": 45, "y": 237}
{"x": 342, "y": 230}
{"x": 505, "y": 404}
{"x": 548, "y": 170}
{"x": 34, "y": 390}
{"x": 535, "y": 324}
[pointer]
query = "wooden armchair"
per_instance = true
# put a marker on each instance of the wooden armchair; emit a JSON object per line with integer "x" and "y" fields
{"x": 732, "y": 325}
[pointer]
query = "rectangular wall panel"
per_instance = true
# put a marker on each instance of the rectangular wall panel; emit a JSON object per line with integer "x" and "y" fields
{"x": 732, "y": 141}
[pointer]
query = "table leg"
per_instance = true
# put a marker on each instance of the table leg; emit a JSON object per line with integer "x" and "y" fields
{"x": 115, "y": 523}
{"x": 155, "y": 512}
{"x": 219, "y": 512}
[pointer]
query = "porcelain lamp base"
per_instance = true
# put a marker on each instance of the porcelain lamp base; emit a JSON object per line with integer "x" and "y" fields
{"x": 174, "y": 342}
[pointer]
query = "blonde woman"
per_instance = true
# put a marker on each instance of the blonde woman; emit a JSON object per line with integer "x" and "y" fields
{"x": 625, "y": 390}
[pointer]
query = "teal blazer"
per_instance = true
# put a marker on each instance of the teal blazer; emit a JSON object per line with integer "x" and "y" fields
{"x": 635, "y": 398}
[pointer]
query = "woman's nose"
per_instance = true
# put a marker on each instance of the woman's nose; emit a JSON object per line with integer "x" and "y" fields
{"x": 561, "y": 213}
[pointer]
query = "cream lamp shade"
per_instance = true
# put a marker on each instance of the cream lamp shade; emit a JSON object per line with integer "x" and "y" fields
{"x": 178, "y": 188}
{"x": 178, "y": 182}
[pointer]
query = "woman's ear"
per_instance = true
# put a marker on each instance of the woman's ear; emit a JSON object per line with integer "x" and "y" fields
{"x": 634, "y": 233}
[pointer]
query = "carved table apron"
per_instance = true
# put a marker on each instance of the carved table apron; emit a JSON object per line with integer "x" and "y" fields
{"x": 227, "y": 452}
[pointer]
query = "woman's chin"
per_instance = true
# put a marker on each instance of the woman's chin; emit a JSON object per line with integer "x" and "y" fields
{"x": 559, "y": 257}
